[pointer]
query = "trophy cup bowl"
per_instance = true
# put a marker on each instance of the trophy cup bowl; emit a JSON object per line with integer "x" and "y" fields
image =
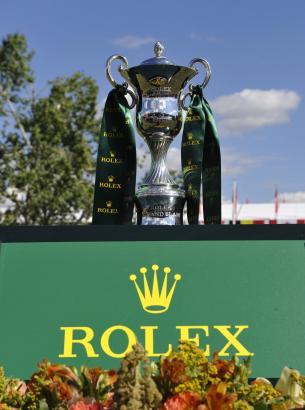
{"x": 157, "y": 85}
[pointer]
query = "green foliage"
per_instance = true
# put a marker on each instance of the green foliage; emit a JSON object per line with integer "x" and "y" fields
{"x": 12, "y": 394}
{"x": 132, "y": 390}
{"x": 47, "y": 144}
{"x": 15, "y": 71}
{"x": 193, "y": 383}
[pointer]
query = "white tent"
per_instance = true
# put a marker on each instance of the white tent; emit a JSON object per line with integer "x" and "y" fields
{"x": 287, "y": 212}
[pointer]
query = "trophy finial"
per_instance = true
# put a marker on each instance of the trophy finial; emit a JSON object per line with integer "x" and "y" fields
{"x": 158, "y": 49}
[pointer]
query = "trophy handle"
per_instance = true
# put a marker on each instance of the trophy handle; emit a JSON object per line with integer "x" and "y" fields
{"x": 114, "y": 84}
{"x": 208, "y": 73}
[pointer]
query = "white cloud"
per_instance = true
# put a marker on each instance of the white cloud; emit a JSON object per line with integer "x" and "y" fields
{"x": 292, "y": 197}
{"x": 174, "y": 159}
{"x": 130, "y": 41}
{"x": 251, "y": 109}
{"x": 143, "y": 159}
{"x": 234, "y": 163}
{"x": 237, "y": 163}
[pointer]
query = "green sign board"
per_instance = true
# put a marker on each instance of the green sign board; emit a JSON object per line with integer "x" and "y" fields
{"x": 87, "y": 301}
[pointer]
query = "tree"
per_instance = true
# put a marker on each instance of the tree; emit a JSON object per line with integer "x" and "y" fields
{"x": 47, "y": 144}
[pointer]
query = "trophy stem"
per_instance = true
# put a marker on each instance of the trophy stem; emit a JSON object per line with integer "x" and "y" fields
{"x": 159, "y": 199}
{"x": 158, "y": 145}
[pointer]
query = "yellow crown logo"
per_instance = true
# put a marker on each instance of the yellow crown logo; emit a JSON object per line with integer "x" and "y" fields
{"x": 112, "y": 154}
{"x": 189, "y": 135}
{"x": 110, "y": 178}
{"x": 108, "y": 203}
{"x": 155, "y": 301}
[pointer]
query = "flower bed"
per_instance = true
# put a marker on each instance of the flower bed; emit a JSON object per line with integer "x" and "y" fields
{"x": 184, "y": 380}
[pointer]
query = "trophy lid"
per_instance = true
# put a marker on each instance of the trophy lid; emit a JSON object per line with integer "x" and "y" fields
{"x": 159, "y": 58}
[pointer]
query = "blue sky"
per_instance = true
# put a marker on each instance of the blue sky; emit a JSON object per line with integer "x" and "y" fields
{"x": 256, "y": 50}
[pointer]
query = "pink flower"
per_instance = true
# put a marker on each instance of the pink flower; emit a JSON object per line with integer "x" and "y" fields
{"x": 182, "y": 401}
{"x": 90, "y": 404}
{"x": 19, "y": 387}
{"x": 81, "y": 405}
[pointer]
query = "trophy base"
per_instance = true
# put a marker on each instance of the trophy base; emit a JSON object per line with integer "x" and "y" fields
{"x": 160, "y": 204}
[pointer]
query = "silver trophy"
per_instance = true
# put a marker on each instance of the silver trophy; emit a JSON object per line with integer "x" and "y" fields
{"x": 156, "y": 91}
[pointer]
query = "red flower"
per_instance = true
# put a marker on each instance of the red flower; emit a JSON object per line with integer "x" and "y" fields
{"x": 94, "y": 375}
{"x": 64, "y": 391}
{"x": 63, "y": 371}
{"x": 225, "y": 368}
{"x": 174, "y": 370}
{"x": 182, "y": 401}
{"x": 82, "y": 405}
{"x": 218, "y": 399}
{"x": 112, "y": 377}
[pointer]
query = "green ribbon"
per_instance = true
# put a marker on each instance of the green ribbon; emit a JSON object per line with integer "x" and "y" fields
{"x": 114, "y": 194}
{"x": 201, "y": 161}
